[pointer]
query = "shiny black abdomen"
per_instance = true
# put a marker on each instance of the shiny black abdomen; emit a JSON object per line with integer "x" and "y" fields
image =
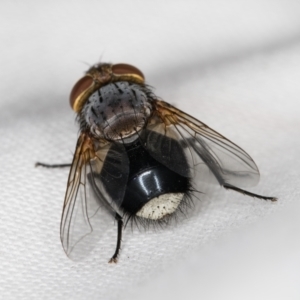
{"x": 149, "y": 178}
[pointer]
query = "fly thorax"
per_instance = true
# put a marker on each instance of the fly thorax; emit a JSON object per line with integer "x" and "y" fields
{"x": 117, "y": 111}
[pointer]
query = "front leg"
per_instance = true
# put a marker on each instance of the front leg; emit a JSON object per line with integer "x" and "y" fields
{"x": 39, "y": 164}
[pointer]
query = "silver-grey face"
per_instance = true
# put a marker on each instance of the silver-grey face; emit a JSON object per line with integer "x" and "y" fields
{"x": 117, "y": 111}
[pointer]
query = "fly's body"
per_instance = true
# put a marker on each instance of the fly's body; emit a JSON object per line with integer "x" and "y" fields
{"x": 139, "y": 158}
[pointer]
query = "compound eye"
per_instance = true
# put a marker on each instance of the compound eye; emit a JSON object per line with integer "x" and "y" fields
{"x": 124, "y": 69}
{"x": 82, "y": 85}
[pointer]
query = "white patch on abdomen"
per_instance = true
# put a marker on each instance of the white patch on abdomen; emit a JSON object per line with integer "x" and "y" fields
{"x": 161, "y": 206}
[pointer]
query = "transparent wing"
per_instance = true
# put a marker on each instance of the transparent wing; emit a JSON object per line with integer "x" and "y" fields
{"x": 210, "y": 156}
{"x": 96, "y": 185}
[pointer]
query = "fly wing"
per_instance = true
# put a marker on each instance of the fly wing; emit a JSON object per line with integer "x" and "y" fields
{"x": 98, "y": 168}
{"x": 210, "y": 156}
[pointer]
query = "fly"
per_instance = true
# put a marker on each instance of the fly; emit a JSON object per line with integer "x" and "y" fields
{"x": 139, "y": 158}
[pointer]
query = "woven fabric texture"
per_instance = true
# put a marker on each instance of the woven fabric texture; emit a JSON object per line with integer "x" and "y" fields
{"x": 237, "y": 69}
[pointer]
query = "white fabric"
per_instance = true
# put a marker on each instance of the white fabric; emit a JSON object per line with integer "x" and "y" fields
{"x": 235, "y": 65}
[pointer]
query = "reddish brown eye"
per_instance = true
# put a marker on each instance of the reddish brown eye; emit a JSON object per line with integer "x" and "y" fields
{"x": 122, "y": 69}
{"x": 82, "y": 84}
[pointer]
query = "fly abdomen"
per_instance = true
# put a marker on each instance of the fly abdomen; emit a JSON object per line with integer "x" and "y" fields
{"x": 153, "y": 191}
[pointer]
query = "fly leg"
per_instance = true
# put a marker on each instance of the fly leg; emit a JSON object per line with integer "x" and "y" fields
{"x": 111, "y": 210}
{"x": 234, "y": 188}
{"x": 203, "y": 151}
{"x": 114, "y": 258}
{"x": 39, "y": 164}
